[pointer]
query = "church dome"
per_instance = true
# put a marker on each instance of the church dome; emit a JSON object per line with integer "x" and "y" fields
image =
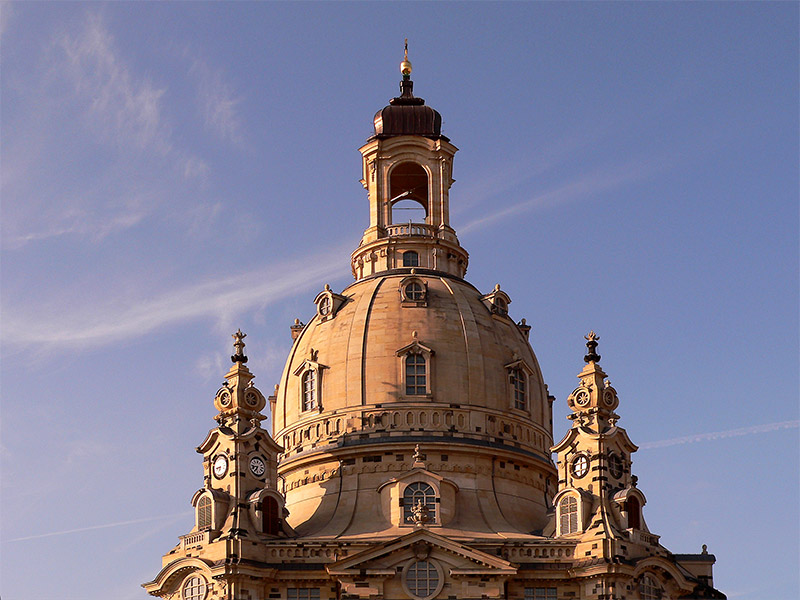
{"x": 467, "y": 340}
{"x": 408, "y": 358}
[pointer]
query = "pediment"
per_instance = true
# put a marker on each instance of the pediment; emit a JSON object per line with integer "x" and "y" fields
{"x": 417, "y": 473}
{"x": 384, "y": 558}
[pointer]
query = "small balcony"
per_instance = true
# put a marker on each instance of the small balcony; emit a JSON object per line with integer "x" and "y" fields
{"x": 411, "y": 230}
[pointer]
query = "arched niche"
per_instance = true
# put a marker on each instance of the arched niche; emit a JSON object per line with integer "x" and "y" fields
{"x": 408, "y": 193}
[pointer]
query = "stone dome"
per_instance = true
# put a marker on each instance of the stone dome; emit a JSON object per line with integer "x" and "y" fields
{"x": 355, "y": 353}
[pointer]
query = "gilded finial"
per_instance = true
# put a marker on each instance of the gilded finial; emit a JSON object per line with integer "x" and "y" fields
{"x": 405, "y": 66}
{"x": 591, "y": 344}
{"x": 238, "y": 344}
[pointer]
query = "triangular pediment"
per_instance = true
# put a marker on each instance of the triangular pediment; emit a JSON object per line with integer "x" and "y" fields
{"x": 422, "y": 542}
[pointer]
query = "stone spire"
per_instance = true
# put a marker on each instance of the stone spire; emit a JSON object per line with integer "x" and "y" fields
{"x": 594, "y": 400}
{"x": 238, "y": 401}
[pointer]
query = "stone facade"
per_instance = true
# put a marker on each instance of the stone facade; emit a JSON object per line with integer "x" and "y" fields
{"x": 410, "y": 453}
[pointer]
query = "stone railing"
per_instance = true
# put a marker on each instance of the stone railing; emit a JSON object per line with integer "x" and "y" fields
{"x": 411, "y": 229}
{"x": 643, "y": 537}
{"x": 195, "y": 539}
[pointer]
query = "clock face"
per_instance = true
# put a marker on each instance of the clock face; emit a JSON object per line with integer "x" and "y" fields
{"x": 580, "y": 466}
{"x": 257, "y": 466}
{"x": 220, "y": 466}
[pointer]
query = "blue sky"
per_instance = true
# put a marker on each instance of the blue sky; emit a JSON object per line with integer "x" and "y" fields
{"x": 173, "y": 171}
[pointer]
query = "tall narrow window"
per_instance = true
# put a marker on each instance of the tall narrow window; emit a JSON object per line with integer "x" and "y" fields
{"x": 204, "y": 513}
{"x": 519, "y": 386}
{"x": 410, "y": 259}
{"x": 569, "y": 515}
{"x": 419, "y": 493}
{"x": 310, "y": 390}
{"x": 269, "y": 512}
{"x": 634, "y": 511}
{"x": 416, "y": 384}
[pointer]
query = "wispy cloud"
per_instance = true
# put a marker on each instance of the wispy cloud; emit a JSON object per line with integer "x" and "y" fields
{"x": 126, "y": 110}
{"x": 90, "y": 152}
{"x": 718, "y": 435}
{"x": 96, "y": 527}
{"x": 221, "y": 299}
{"x": 582, "y": 188}
{"x": 217, "y": 103}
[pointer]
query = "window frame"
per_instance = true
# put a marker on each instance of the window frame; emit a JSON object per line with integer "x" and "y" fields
{"x": 431, "y": 567}
{"x": 195, "y": 596}
{"x": 415, "y": 349}
{"x": 571, "y": 517}
{"x": 413, "y": 257}
{"x": 205, "y": 508}
{"x": 430, "y": 498}
{"x": 541, "y": 593}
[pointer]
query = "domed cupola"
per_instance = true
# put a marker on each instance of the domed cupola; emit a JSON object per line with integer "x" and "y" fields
{"x": 407, "y": 115}
{"x": 407, "y": 172}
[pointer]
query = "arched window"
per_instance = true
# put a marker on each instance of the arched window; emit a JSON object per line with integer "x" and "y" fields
{"x": 269, "y": 513}
{"x": 410, "y": 259}
{"x": 649, "y": 588}
{"x": 519, "y": 387}
{"x": 422, "y": 579}
{"x": 204, "y": 513}
{"x": 309, "y": 390}
{"x": 416, "y": 384}
{"x": 569, "y": 515}
{"x": 634, "y": 512}
{"x": 194, "y": 588}
{"x": 416, "y": 493}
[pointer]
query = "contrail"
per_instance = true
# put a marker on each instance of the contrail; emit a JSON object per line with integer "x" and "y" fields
{"x": 93, "y": 527}
{"x": 702, "y": 437}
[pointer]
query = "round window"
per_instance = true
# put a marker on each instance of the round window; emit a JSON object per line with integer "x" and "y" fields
{"x": 194, "y": 588}
{"x": 325, "y": 306}
{"x": 415, "y": 291}
{"x": 423, "y": 579}
{"x": 615, "y": 466}
{"x": 580, "y": 466}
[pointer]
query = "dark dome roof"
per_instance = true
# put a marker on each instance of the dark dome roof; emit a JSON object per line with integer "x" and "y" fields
{"x": 407, "y": 115}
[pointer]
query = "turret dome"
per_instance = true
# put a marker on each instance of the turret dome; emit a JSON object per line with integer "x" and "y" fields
{"x": 408, "y": 115}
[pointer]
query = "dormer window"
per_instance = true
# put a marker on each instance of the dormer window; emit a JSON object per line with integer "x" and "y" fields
{"x": 568, "y": 515}
{"x": 410, "y": 258}
{"x": 204, "y": 513}
{"x": 325, "y": 306}
{"x": 519, "y": 375}
{"x": 309, "y": 390}
{"x": 416, "y": 375}
{"x": 519, "y": 385}
{"x": 328, "y": 303}
{"x": 416, "y": 369}
{"x": 269, "y": 515}
{"x": 310, "y": 374}
{"x": 413, "y": 291}
{"x": 497, "y": 302}
{"x": 416, "y": 494}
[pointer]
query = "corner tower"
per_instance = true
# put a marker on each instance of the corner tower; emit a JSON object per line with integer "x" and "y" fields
{"x": 407, "y": 170}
